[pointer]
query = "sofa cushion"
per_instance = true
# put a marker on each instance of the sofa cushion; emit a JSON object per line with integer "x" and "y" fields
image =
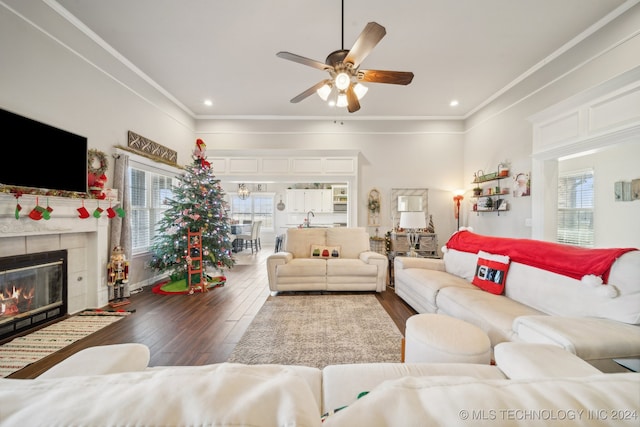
{"x": 425, "y": 284}
{"x": 587, "y": 337}
{"x": 302, "y": 267}
{"x": 461, "y": 264}
{"x": 221, "y": 394}
{"x": 341, "y": 384}
{"x": 324, "y": 251}
{"x": 494, "y": 314}
{"x": 459, "y": 401}
{"x": 569, "y": 260}
{"x": 491, "y": 272}
{"x": 625, "y": 274}
{"x": 352, "y": 240}
{"x": 526, "y": 360}
{"x": 350, "y": 267}
{"x": 560, "y": 295}
{"x": 298, "y": 240}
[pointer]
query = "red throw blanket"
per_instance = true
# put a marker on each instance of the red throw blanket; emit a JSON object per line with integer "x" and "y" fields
{"x": 572, "y": 261}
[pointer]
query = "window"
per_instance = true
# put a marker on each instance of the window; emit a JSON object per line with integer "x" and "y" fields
{"x": 256, "y": 207}
{"x": 575, "y": 208}
{"x": 148, "y": 190}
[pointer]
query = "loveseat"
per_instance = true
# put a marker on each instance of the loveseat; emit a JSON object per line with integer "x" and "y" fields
{"x": 327, "y": 259}
{"x": 586, "y": 301}
{"x": 531, "y": 384}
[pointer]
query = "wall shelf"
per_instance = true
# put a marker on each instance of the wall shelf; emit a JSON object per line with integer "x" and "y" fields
{"x": 490, "y": 198}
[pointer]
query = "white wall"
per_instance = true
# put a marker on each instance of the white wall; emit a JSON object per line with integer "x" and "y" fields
{"x": 75, "y": 87}
{"x": 396, "y": 154}
{"x": 501, "y": 130}
{"x": 615, "y": 223}
{"x": 51, "y": 73}
{"x": 71, "y": 87}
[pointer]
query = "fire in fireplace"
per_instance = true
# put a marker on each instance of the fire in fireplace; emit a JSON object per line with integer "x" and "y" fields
{"x": 33, "y": 291}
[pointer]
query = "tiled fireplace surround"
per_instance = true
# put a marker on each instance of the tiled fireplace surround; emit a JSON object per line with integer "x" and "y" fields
{"x": 86, "y": 242}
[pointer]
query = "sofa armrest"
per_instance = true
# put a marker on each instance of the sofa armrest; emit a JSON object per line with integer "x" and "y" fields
{"x": 369, "y": 256}
{"x": 100, "y": 360}
{"x": 273, "y": 260}
{"x": 381, "y": 261}
{"x": 402, "y": 262}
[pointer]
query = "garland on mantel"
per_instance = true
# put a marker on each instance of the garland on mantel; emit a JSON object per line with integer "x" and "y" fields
{"x": 43, "y": 192}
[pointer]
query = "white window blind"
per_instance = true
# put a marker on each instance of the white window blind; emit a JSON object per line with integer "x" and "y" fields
{"x": 148, "y": 192}
{"x": 575, "y": 208}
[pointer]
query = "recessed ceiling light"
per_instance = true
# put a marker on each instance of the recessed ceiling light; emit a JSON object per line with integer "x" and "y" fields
{"x": 208, "y": 102}
{"x": 454, "y": 103}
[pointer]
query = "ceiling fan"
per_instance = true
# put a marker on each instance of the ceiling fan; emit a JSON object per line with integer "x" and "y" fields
{"x": 344, "y": 87}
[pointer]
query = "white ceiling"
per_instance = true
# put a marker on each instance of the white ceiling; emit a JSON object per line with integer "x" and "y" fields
{"x": 225, "y": 50}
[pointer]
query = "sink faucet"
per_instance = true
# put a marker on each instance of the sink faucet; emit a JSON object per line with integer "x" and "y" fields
{"x": 309, "y": 222}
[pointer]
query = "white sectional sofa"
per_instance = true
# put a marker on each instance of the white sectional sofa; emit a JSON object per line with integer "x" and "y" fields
{"x": 586, "y": 301}
{"x": 531, "y": 384}
{"x": 327, "y": 259}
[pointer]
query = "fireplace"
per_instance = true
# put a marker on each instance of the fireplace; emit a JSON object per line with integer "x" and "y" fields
{"x": 33, "y": 290}
{"x": 86, "y": 242}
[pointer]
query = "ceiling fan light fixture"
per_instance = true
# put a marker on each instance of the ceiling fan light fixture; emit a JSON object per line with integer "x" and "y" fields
{"x": 360, "y": 90}
{"x": 343, "y": 80}
{"x": 342, "y": 100}
{"x": 324, "y": 91}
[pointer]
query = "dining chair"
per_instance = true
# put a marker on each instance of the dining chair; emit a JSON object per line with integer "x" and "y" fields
{"x": 252, "y": 239}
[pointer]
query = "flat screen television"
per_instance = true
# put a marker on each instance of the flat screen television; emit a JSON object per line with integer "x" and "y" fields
{"x": 48, "y": 158}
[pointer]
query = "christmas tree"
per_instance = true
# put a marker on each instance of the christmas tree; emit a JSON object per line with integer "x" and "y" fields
{"x": 197, "y": 204}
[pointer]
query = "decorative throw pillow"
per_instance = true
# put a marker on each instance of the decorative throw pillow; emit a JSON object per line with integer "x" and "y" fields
{"x": 491, "y": 272}
{"x": 323, "y": 251}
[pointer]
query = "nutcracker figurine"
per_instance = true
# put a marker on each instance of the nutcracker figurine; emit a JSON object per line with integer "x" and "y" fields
{"x": 118, "y": 276}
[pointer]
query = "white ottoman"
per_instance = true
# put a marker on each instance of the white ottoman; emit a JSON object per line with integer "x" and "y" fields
{"x": 444, "y": 339}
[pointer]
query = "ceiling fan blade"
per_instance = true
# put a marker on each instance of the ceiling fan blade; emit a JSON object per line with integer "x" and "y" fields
{"x": 304, "y": 61}
{"x": 309, "y": 91}
{"x": 367, "y": 40}
{"x": 382, "y": 76}
{"x": 353, "y": 104}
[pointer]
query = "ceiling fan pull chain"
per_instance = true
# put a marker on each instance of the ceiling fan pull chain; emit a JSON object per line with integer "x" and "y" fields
{"x": 342, "y": 14}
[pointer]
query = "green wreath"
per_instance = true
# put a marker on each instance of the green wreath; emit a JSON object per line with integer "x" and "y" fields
{"x": 95, "y": 158}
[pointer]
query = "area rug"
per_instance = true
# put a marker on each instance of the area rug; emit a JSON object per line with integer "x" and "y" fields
{"x": 319, "y": 330}
{"x": 22, "y": 351}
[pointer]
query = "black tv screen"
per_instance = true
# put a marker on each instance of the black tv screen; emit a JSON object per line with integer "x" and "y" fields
{"x": 47, "y": 157}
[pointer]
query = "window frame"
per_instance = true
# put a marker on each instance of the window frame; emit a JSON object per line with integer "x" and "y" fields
{"x": 267, "y": 218}
{"x": 576, "y": 206}
{"x": 153, "y": 204}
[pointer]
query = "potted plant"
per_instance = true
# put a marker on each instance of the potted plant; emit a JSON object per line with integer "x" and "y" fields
{"x": 477, "y": 190}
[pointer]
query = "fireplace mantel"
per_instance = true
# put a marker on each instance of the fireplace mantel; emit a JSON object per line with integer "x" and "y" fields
{"x": 86, "y": 240}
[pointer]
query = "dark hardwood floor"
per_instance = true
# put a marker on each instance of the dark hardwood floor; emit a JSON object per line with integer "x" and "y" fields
{"x": 196, "y": 329}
